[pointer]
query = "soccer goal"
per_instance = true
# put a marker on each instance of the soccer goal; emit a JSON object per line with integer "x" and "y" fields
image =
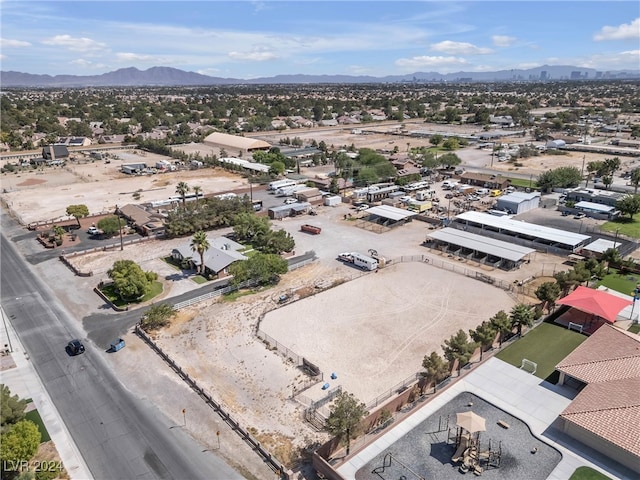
{"x": 529, "y": 366}
{"x": 575, "y": 326}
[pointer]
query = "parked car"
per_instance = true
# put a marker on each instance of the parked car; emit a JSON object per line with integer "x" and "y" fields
{"x": 75, "y": 347}
{"x": 93, "y": 231}
{"x": 580, "y": 215}
{"x": 289, "y": 201}
{"x": 362, "y": 208}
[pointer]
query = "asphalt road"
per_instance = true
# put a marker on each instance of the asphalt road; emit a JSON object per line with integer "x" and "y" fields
{"x": 119, "y": 436}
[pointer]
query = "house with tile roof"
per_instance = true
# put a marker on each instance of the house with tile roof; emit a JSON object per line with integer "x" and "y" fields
{"x": 605, "y": 415}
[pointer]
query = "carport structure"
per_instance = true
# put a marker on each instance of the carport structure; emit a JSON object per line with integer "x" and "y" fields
{"x": 471, "y": 246}
{"x": 523, "y": 233}
{"x": 389, "y": 216}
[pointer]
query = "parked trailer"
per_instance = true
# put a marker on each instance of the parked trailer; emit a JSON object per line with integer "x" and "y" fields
{"x": 310, "y": 229}
{"x": 276, "y": 184}
{"x": 365, "y": 262}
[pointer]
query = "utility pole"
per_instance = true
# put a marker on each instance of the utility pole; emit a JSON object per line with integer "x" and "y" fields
{"x": 119, "y": 228}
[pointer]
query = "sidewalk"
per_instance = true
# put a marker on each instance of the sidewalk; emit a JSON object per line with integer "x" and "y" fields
{"x": 23, "y": 381}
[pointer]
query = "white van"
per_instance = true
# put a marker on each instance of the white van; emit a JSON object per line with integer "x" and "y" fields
{"x": 449, "y": 184}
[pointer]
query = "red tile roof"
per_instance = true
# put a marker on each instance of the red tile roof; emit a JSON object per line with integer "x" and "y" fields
{"x": 610, "y": 410}
{"x": 609, "y": 354}
{"x": 609, "y": 406}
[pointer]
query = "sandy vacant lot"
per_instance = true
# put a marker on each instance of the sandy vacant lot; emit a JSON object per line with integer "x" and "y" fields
{"x": 375, "y": 330}
{"x": 44, "y": 194}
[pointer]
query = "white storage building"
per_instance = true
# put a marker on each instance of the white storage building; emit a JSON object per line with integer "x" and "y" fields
{"x": 518, "y": 202}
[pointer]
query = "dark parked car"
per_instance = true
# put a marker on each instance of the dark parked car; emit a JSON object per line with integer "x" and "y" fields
{"x": 75, "y": 347}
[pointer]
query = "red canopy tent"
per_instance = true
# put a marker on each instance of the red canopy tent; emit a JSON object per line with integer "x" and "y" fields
{"x": 597, "y": 302}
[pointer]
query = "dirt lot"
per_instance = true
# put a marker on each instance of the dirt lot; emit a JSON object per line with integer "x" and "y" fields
{"x": 374, "y": 331}
{"x": 44, "y": 194}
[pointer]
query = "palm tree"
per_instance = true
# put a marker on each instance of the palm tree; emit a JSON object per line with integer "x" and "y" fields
{"x": 200, "y": 244}
{"x": 521, "y": 316}
{"x": 182, "y": 189}
{"x": 502, "y": 324}
{"x": 197, "y": 189}
{"x": 611, "y": 256}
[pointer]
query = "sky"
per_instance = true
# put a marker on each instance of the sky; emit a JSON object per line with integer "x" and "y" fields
{"x": 246, "y": 39}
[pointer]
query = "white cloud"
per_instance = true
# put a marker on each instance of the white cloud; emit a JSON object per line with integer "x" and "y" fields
{"x": 626, "y": 31}
{"x": 81, "y": 62}
{"x": 78, "y": 44}
{"x": 503, "y": 40}
{"x": 459, "y": 48}
{"x": 135, "y": 57}
{"x": 6, "y": 43}
{"x": 430, "y": 62}
{"x": 255, "y": 56}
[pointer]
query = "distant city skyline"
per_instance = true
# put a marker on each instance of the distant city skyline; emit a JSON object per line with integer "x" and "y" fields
{"x": 250, "y": 39}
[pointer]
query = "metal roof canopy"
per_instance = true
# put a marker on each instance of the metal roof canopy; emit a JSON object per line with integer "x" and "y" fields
{"x": 596, "y": 207}
{"x": 530, "y": 229}
{"x": 392, "y": 213}
{"x": 473, "y": 241}
{"x": 601, "y": 245}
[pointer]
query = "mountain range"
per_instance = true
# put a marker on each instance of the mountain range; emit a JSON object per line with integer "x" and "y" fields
{"x": 167, "y": 76}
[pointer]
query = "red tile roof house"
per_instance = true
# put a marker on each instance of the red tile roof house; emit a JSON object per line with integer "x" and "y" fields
{"x": 605, "y": 415}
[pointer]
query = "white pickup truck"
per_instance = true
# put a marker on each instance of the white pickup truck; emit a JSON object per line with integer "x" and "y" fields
{"x": 94, "y": 231}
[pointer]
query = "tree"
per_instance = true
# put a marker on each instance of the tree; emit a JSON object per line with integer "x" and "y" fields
{"x": 436, "y": 139}
{"x": 263, "y": 268}
{"x": 629, "y": 205}
{"x": 157, "y": 316}
{"x": 435, "y": 369}
{"x": 612, "y": 257}
{"x": 78, "y": 211}
{"x": 484, "y": 335}
{"x": 567, "y": 281}
{"x": 19, "y": 443}
{"x": 458, "y": 347}
{"x": 11, "y": 407}
{"x": 449, "y": 160}
{"x": 197, "y": 189}
{"x": 635, "y": 179}
{"x": 182, "y": 189}
{"x": 200, "y": 244}
{"x": 277, "y": 168}
{"x": 561, "y": 177}
{"x": 275, "y": 241}
{"x": 451, "y": 144}
{"x": 548, "y": 293}
{"x": 502, "y": 324}
{"x": 521, "y": 316}
{"x": 111, "y": 225}
{"x": 248, "y": 227}
{"x": 592, "y": 167}
{"x": 345, "y": 417}
{"x": 129, "y": 279}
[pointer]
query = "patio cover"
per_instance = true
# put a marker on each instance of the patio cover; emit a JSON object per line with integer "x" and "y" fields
{"x": 597, "y": 302}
